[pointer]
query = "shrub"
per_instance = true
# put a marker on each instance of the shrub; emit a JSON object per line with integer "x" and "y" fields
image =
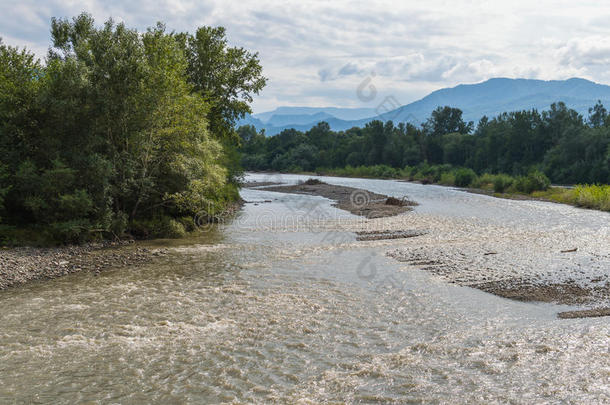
{"x": 159, "y": 227}
{"x": 312, "y": 182}
{"x": 538, "y": 181}
{"x": 502, "y": 182}
{"x": 484, "y": 181}
{"x": 447, "y": 179}
{"x": 593, "y": 196}
{"x": 464, "y": 177}
{"x": 535, "y": 181}
{"x": 74, "y": 231}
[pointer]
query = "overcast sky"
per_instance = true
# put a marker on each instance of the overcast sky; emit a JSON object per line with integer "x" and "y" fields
{"x": 319, "y": 53}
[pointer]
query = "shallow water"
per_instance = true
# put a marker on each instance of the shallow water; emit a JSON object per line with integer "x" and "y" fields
{"x": 283, "y": 305}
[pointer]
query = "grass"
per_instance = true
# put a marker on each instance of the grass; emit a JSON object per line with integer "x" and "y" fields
{"x": 595, "y": 197}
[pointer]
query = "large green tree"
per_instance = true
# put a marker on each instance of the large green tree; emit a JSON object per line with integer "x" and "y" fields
{"x": 116, "y": 129}
{"x": 226, "y": 77}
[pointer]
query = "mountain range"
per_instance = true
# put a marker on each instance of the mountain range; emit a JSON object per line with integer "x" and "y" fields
{"x": 489, "y": 98}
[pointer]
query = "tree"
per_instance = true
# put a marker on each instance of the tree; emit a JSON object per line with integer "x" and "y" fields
{"x": 445, "y": 120}
{"x": 19, "y": 86}
{"x": 112, "y": 131}
{"x": 598, "y": 115}
{"x": 226, "y": 77}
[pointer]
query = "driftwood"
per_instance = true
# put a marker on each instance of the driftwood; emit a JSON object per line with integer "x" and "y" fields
{"x": 569, "y": 250}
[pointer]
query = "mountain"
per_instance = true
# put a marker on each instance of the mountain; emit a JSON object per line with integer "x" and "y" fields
{"x": 278, "y": 120}
{"x": 499, "y": 95}
{"x": 303, "y": 118}
{"x": 346, "y": 114}
{"x": 489, "y": 98}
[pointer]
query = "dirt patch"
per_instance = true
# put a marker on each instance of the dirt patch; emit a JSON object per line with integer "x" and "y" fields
{"x": 585, "y": 313}
{"x": 357, "y": 201}
{"x": 382, "y": 235}
{"x": 564, "y": 293}
{"x": 20, "y": 265}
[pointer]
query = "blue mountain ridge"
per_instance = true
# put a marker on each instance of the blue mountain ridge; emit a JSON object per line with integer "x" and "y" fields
{"x": 489, "y": 98}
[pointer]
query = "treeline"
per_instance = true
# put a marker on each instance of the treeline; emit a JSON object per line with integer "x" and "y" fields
{"x": 557, "y": 142}
{"x": 448, "y": 175}
{"x": 120, "y": 131}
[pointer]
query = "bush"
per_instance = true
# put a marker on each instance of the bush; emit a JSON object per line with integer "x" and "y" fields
{"x": 485, "y": 181}
{"x": 160, "y": 227}
{"x": 74, "y": 231}
{"x": 538, "y": 181}
{"x": 535, "y": 181}
{"x": 312, "y": 182}
{"x": 464, "y": 177}
{"x": 597, "y": 197}
{"x": 447, "y": 179}
{"x": 502, "y": 182}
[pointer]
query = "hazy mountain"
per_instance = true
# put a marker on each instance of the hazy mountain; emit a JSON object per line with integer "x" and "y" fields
{"x": 489, "y": 98}
{"x": 303, "y": 123}
{"x": 278, "y": 120}
{"x": 346, "y": 114}
{"x": 496, "y": 96}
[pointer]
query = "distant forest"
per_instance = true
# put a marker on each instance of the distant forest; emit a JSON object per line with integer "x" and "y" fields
{"x": 558, "y": 142}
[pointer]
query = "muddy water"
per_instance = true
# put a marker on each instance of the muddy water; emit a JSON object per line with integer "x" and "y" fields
{"x": 283, "y": 305}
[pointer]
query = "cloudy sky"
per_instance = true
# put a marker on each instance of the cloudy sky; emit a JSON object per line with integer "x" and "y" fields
{"x": 320, "y": 53}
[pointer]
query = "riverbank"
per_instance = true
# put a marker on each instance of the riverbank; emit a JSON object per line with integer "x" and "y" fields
{"x": 559, "y": 265}
{"x": 534, "y": 187}
{"x": 24, "y": 264}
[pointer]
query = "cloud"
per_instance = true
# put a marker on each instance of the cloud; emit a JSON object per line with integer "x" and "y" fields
{"x": 318, "y": 53}
{"x": 586, "y": 52}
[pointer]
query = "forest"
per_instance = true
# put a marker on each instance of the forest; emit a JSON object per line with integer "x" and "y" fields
{"x": 120, "y": 131}
{"x": 558, "y": 143}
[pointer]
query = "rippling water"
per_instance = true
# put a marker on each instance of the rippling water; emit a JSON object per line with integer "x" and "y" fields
{"x": 278, "y": 307}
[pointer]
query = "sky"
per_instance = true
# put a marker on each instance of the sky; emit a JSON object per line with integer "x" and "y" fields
{"x": 357, "y": 54}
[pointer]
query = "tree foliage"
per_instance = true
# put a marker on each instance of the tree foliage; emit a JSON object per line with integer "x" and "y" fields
{"x": 115, "y": 128}
{"x": 557, "y": 142}
{"x": 226, "y": 77}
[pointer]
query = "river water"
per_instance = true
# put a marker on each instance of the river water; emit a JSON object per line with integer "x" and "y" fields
{"x": 282, "y": 305}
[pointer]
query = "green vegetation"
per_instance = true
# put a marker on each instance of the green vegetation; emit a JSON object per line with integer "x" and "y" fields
{"x": 586, "y": 196}
{"x": 557, "y": 142}
{"x": 119, "y": 131}
{"x": 517, "y": 152}
{"x": 535, "y": 184}
{"x": 449, "y": 176}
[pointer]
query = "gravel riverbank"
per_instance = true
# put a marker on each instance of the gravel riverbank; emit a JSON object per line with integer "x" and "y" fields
{"x": 20, "y": 265}
{"x": 357, "y": 201}
{"x": 560, "y": 265}
{"x": 557, "y": 266}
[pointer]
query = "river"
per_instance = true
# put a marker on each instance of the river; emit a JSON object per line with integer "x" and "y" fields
{"x": 283, "y": 305}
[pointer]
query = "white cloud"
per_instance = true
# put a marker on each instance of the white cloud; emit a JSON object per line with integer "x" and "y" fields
{"x": 317, "y": 53}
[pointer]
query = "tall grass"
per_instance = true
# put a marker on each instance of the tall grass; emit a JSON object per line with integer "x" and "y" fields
{"x": 592, "y": 196}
